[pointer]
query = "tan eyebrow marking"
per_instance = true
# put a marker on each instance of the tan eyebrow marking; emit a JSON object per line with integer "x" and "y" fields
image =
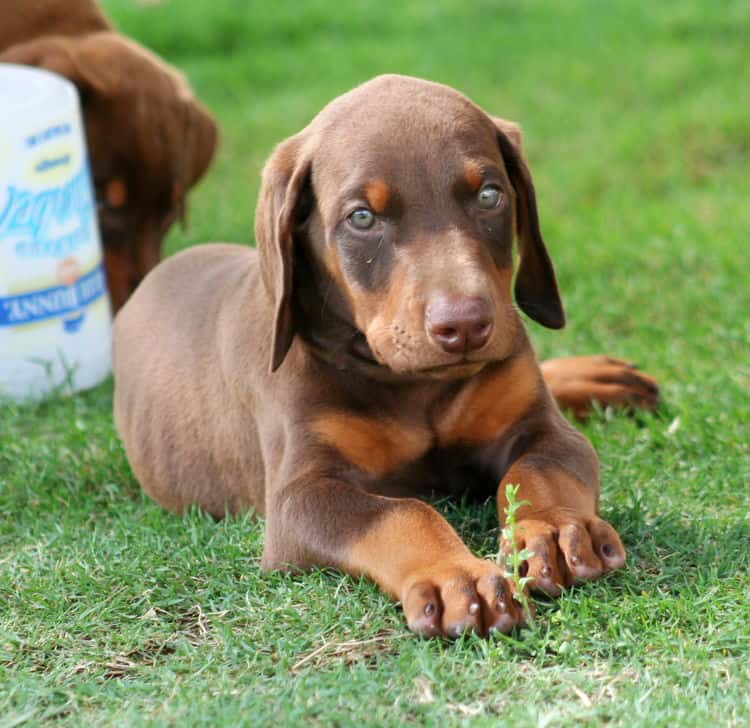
{"x": 376, "y": 193}
{"x": 473, "y": 173}
{"x": 116, "y": 192}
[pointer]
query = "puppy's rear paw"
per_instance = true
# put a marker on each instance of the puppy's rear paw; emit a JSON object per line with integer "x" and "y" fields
{"x": 577, "y": 381}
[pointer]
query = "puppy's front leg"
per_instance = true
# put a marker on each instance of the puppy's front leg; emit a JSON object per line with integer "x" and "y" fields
{"x": 403, "y": 544}
{"x": 558, "y": 475}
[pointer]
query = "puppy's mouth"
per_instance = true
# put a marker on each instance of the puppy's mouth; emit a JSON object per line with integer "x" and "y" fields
{"x": 360, "y": 349}
{"x": 458, "y": 370}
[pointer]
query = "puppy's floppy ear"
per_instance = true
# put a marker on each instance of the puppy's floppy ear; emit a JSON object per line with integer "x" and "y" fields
{"x": 66, "y": 57}
{"x": 202, "y": 139}
{"x": 536, "y": 286}
{"x": 285, "y": 176}
{"x": 197, "y": 142}
{"x": 511, "y": 130}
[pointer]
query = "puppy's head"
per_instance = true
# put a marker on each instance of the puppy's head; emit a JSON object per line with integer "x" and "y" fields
{"x": 403, "y": 200}
{"x": 149, "y": 141}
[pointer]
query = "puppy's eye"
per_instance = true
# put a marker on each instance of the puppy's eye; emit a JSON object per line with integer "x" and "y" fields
{"x": 362, "y": 218}
{"x": 489, "y": 196}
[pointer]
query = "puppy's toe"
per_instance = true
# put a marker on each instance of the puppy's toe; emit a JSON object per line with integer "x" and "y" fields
{"x": 424, "y": 609}
{"x": 575, "y": 545}
{"x": 607, "y": 544}
{"x": 501, "y": 612}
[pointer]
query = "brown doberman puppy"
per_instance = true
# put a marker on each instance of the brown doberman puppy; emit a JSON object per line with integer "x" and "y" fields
{"x": 149, "y": 140}
{"x": 370, "y": 352}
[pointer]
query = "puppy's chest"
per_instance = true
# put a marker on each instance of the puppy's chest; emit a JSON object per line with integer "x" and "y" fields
{"x": 403, "y": 436}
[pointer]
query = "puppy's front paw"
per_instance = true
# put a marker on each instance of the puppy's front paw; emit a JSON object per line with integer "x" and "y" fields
{"x": 567, "y": 549}
{"x": 448, "y": 600}
{"x": 577, "y": 381}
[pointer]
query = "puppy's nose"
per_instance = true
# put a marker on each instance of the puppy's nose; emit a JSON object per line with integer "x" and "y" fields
{"x": 459, "y": 324}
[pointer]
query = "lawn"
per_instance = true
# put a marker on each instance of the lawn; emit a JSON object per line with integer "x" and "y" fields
{"x": 637, "y": 128}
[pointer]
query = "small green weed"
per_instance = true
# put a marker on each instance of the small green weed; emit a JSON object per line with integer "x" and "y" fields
{"x": 511, "y": 558}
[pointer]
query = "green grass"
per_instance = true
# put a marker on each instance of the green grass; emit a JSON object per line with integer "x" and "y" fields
{"x": 113, "y": 612}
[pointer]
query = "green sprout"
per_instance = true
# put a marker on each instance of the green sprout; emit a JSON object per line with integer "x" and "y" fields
{"x": 511, "y": 557}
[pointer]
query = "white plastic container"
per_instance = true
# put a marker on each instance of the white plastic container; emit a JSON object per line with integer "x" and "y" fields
{"x": 55, "y": 320}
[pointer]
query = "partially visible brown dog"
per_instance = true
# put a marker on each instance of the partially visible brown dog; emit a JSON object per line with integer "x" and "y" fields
{"x": 370, "y": 351}
{"x": 149, "y": 140}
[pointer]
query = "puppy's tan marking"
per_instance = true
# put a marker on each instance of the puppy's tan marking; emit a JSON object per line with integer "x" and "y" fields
{"x": 116, "y": 193}
{"x": 376, "y": 446}
{"x": 491, "y": 402}
{"x": 378, "y": 308}
{"x": 473, "y": 173}
{"x": 570, "y": 494}
{"x": 384, "y": 542}
{"x": 376, "y": 194}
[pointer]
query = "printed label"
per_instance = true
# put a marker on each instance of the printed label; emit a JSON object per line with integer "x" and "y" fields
{"x": 49, "y": 223}
{"x": 26, "y": 308}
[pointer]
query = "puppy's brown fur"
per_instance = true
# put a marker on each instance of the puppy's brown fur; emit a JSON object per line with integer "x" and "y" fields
{"x": 149, "y": 140}
{"x": 307, "y": 380}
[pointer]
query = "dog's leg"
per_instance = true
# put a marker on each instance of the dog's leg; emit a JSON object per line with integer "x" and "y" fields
{"x": 577, "y": 381}
{"x": 559, "y": 478}
{"x": 403, "y": 544}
